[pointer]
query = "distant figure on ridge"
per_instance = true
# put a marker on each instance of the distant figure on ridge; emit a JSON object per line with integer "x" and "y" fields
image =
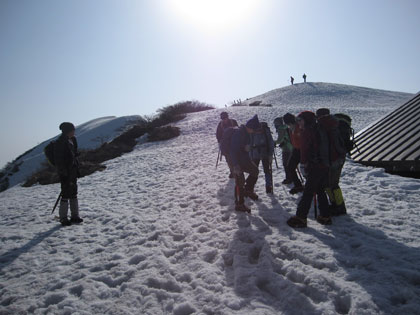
{"x": 292, "y": 79}
{"x": 304, "y": 78}
{"x": 67, "y": 165}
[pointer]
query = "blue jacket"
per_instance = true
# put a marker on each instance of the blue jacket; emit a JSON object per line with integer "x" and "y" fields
{"x": 239, "y": 146}
{"x": 262, "y": 144}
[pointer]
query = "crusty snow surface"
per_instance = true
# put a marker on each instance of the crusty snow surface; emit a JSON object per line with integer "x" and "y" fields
{"x": 161, "y": 236}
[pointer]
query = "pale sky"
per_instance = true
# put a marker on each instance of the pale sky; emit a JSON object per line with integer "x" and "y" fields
{"x": 77, "y": 60}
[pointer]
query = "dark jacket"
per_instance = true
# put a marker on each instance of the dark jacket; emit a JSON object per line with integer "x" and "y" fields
{"x": 330, "y": 124}
{"x": 239, "y": 146}
{"x": 314, "y": 148}
{"x": 65, "y": 155}
{"x": 222, "y": 126}
{"x": 262, "y": 143}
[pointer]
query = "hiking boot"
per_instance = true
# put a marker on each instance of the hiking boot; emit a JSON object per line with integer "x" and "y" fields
{"x": 287, "y": 181}
{"x": 242, "y": 208}
{"x": 297, "y": 222}
{"x": 65, "y": 222}
{"x": 296, "y": 189}
{"x": 338, "y": 210}
{"x": 251, "y": 194}
{"x": 269, "y": 189}
{"x": 324, "y": 220}
{"x": 76, "y": 220}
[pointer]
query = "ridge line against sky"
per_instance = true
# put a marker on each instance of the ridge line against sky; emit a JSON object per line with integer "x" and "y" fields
{"x": 80, "y": 60}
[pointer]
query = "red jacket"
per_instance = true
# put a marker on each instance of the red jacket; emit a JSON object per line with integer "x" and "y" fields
{"x": 295, "y": 136}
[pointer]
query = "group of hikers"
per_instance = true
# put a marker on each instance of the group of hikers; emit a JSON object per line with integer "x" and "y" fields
{"x": 313, "y": 146}
{"x": 292, "y": 79}
{"x": 314, "y": 141}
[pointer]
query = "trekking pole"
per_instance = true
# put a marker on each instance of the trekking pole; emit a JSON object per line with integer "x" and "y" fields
{"x": 275, "y": 158}
{"x": 271, "y": 175}
{"x": 217, "y": 161}
{"x": 300, "y": 175}
{"x": 56, "y": 203}
{"x": 315, "y": 207}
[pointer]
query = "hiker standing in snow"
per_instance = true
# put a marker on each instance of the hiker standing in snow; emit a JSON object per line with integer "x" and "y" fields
{"x": 304, "y": 78}
{"x": 337, "y": 159}
{"x": 314, "y": 159}
{"x": 262, "y": 149}
{"x": 67, "y": 165}
{"x": 283, "y": 141}
{"x": 225, "y": 123}
{"x": 292, "y": 79}
{"x": 241, "y": 162}
{"x": 292, "y": 164}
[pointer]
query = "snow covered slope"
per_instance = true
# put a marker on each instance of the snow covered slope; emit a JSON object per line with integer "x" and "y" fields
{"x": 161, "y": 236}
{"x": 354, "y": 100}
{"x": 90, "y": 135}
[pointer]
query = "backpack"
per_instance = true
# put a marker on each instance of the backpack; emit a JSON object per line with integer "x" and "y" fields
{"x": 226, "y": 139}
{"x": 322, "y": 156}
{"x": 261, "y": 142}
{"x": 49, "y": 152}
{"x": 346, "y": 131}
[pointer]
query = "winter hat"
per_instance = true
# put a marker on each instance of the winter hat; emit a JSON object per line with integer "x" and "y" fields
{"x": 278, "y": 122}
{"x": 253, "y": 123}
{"x": 224, "y": 115}
{"x": 289, "y": 119}
{"x": 308, "y": 116}
{"x": 322, "y": 112}
{"x": 66, "y": 127}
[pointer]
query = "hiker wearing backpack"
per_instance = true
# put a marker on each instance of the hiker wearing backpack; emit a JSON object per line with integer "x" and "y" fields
{"x": 241, "y": 162}
{"x": 337, "y": 157}
{"x": 294, "y": 134}
{"x": 67, "y": 165}
{"x": 225, "y": 123}
{"x": 314, "y": 159}
{"x": 283, "y": 141}
{"x": 262, "y": 149}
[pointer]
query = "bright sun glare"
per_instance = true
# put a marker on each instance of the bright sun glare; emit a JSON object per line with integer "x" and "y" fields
{"x": 214, "y": 16}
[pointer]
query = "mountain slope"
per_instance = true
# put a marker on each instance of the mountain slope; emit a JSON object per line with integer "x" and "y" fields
{"x": 161, "y": 237}
{"x": 90, "y": 135}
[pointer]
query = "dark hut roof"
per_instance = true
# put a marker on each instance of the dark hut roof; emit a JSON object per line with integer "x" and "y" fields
{"x": 392, "y": 142}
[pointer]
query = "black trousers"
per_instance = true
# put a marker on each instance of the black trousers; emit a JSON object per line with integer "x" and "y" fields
{"x": 241, "y": 184}
{"x": 69, "y": 184}
{"x": 291, "y": 167}
{"x": 316, "y": 182}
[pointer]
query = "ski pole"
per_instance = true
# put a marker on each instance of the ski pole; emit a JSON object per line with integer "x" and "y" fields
{"x": 315, "y": 207}
{"x": 275, "y": 158}
{"x": 217, "y": 161}
{"x": 271, "y": 175}
{"x": 56, "y": 203}
{"x": 300, "y": 175}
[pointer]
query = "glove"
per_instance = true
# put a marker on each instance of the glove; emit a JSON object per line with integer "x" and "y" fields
{"x": 237, "y": 170}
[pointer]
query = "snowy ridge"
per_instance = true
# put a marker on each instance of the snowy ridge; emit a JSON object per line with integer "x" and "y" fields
{"x": 89, "y": 135}
{"x": 338, "y": 97}
{"x": 161, "y": 237}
